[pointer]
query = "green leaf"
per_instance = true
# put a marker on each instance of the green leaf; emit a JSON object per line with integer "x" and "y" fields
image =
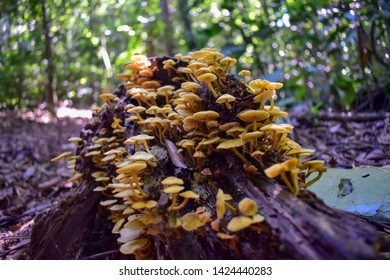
{"x": 363, "y": 190}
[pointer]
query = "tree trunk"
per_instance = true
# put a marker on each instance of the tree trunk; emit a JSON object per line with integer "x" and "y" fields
{"x": 168, "y": 39}
{"x": 50, "y": 93}
{"x": 295, "y": 227}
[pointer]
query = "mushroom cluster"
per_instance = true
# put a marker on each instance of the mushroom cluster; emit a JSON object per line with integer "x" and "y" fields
{"x": 190, "y": 101}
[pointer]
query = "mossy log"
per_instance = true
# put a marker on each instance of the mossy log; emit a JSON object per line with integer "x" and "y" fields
{"x": 295, "y": 227}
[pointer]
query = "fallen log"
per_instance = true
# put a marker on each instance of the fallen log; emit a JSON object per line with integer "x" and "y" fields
{"x": 288, "y": 221}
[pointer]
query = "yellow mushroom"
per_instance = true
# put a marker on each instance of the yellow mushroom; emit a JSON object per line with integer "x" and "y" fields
{"x": 239, "y": 223}
{"x": 187, "y": 195}
{"x": 248, "y": 207}
{"x": 207, "y": 79}
{"x": 226, "y": 98}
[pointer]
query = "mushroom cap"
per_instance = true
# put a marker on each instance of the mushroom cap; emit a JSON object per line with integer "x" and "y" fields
{"x": 239, "y": 223}
{"x": 191, "y": 221}
{"x": 257, "y": 154}
{"x": 203, "y": 70}
{"x": 141, "y": 156}
{"x": 275, "y": 127}
{"x": 205, "y": 116}
{"x": 191, "y": 97}
{"x": 206, "y": 142}
{"x": 186, "y": 143}
{"x": 190, "y": 86}
{"x": 233, "y": 143}
{"x": 165, "y": 89}
{"x": 237, "y": 129}
{"x": 246, "y": 137}
{"x": 141, "y": 137}
{"x": 299, "y": 151}
{"x": 228, "y": 61}
{"x": 138, "y": 205}
{"x": 220, "y": 204}
{"x": 171, "y": 180}
{"x": 137, "y": 109}
{"x": 108, "y": 202}
{"x": 257, "y": 218}
{"x": 150, "y": 204}
{"x": 189, "y": 194}
{"x": 151, "y": 84}
{"x": 134, "y": 167}
{"x": 207, "y": 78}
{"x": 267, "y": 94}
{"x": 124, "y": 76}
{"x": 313, "y": 163}
{"x": 173, "y": 189}
{"x": 131, "y": 246}
{"x": 225, "y": 98}
{"x": 244, "y": 73}
{"x": 199, "y": 154}
{"x": 98, "y": 174}
{"x": 274, "y": 170}
{"x": 152, "y": 110}
{"x": 74, "y": 139}
{"x": 146, "y": 73}
{"x": 253, "y": 115}
{"x": 229, "y": 125}
{"x": 107, "y": 95}
{"x": 248, "y": 206}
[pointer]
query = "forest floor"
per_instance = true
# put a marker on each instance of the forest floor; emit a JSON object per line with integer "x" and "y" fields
{"x": 30, "y": 184}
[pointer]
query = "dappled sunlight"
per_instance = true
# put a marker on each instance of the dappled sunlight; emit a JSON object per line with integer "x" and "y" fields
{"x": 64, "y": 112}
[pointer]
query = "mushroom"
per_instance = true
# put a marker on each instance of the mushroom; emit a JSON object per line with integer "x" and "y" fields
{"x": 133, "y": 169}
{"x": 248, "y": 207}
{"x": 137, "y": 110}
{"x": 187, "y": 195}
{"x": 233, "y": 144}
{"x": 192, "y": 221}
{"x": 63, "y": 155}
{"x": 226, "y": 98}
{"x": 200, "y": 159}
{"x": 171, "y": 180}
{"x": 141, "y": 138}
{"x": 228, "y": 61}
{"x": 166, "y": 91}
{"x": 131, "y": 246}
{"x": 239, "y": 223}
{"x": 253, "y": 116}
{"x": 244, "y": 73}
{"x": 317, "y": 168}
{"x": 207, "y": 79}
{"x": 174, "y": 191}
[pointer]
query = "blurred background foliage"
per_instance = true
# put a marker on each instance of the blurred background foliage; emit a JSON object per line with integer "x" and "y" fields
{"x": 329, "y": 54}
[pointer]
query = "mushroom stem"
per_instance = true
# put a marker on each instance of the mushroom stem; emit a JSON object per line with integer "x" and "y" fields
{"x": 174, "y": 200}
{"x": 294, "y": 179}
{"x": 287, "y": 182}
{"x": 137, "y": 186}
{"x": 228, "y": 106}
{"x": 180, "y": 206}
{"x": 237, "y": 153}
{"x": 313, "y": 180}
{"x": 210, "y": 87}
{"x": 231, "y": 207}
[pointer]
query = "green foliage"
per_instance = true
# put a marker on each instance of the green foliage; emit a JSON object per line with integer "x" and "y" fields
{"x": 323, "y": 51}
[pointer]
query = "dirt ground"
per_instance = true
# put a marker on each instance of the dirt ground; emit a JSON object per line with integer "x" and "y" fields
{"x": 30, "y": 183}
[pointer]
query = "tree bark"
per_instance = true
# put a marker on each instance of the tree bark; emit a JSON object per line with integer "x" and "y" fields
{"x": 50, "y": 93}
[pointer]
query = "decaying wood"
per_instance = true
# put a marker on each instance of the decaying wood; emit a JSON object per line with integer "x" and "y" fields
{"x": 295, "y": 227}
